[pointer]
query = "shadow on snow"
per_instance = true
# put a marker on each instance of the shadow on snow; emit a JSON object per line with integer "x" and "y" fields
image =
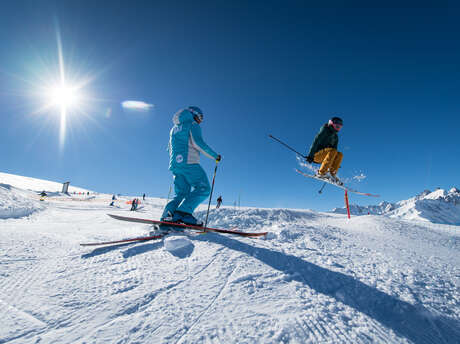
{"x": 181, "y": 252}
{"x": 416, "y": 323}
{"x": 133, "y": 251}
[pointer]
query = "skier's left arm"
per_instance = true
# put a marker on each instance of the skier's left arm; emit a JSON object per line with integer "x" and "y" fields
{"x": 198, "y": 142}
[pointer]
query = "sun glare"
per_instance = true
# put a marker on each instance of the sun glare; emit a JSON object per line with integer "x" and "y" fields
{"x": 64, "y": 96}
{"x": 61, "y": 92}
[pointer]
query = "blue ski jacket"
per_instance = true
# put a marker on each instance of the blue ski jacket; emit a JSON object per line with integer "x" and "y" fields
{"x": 186, "y": 142}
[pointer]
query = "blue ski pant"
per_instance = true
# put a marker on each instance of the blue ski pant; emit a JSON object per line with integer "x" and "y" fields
{"x": 186, "y": 200}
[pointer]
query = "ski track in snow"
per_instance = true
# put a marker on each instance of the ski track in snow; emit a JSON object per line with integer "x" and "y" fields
{"x": 318, "y": 277}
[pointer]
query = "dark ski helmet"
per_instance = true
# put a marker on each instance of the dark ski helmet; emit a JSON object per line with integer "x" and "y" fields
{"x": 336, "y": 123}
{"x": 196, "y": 112}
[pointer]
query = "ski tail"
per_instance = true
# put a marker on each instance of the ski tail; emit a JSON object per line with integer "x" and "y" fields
{"x": 146, "y": 238}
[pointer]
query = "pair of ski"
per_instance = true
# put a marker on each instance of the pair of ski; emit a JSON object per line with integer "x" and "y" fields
{"x": 199, "y": 229}
{"x": 346, "y": 188}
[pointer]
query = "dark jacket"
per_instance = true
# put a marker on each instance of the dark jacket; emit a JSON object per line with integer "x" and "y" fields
{"x": 326, "y": 138}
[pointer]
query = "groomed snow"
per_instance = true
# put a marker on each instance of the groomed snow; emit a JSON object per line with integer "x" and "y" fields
{"x": 317, "y": 278}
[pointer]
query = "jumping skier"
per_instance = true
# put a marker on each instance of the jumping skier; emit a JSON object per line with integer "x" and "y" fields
{"x": 324, "y": 150}
{"x": 185, "y": 145}
{"x": 219, "y": 202}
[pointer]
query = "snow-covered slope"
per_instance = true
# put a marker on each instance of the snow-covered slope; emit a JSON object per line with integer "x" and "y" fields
{"x": 35, "y": 184}
{"x": 439, "y": 206}
{"x": 317, "y": 278}
{"x": 15, "y": 203}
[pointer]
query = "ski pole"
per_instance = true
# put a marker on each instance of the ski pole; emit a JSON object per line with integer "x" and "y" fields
{"x": 321, "y": 190}
{"x": 284, "y": 144}
{"x": 169, "y": 194}
{"x": 210, "y": 196}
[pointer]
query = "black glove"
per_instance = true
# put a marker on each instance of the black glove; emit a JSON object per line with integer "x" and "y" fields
{"x": 219, "y": 158}
{"x": 309, "y": 159}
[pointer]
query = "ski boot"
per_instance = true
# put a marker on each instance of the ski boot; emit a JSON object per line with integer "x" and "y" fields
{"x": 322, "y": 176}
{"x": 159, "y": 230}
{"x": 186, "y": 218}
{"x": 336, "y": 180}
{"x": 168, "y": 217}
{"x": 166, "y": 227}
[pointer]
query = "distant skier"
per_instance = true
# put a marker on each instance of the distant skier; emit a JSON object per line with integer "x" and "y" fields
{"x": 143, "y": 197}
{"x": 43, "y": 195}
{"x": 185, "y": 145}
{"x": 133, "y": 204}
{"x": 324, "y": 150}
{"x": 219, "y": 202}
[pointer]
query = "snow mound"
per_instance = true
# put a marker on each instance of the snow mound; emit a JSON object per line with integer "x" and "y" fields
{"x": 439, "y": 206}
{"x": 176, "y": 243}
{"x": 16, "y": 203}
{"x": 255, "y": 219}
{"x": 180, "y": 247}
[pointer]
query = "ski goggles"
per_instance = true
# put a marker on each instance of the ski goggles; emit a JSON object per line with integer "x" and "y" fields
{"x": 336, "y": 126}
{"x": 198, "y": 118}
{"x": 196, "y": 115}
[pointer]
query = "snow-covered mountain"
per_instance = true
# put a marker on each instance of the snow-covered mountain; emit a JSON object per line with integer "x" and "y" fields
{"x": 35, "y": 184}
{"x": 439, "y": 206}
{"x": 316, "y": 278}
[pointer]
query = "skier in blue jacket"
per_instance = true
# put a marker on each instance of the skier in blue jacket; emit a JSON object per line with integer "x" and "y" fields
{"x": 185, "y": 145}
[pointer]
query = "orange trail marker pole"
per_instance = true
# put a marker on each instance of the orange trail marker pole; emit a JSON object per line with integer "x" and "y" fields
{"x": 346, "y": 203}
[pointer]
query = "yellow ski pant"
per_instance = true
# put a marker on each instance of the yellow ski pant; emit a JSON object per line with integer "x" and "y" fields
{"x": 329, "y": 159}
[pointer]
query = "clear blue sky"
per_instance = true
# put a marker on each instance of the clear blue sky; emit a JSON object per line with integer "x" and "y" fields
{"x": 255, "y": 68}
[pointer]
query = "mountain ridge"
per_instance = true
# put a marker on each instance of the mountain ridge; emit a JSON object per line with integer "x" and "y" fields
{"x": 439, "y": 206}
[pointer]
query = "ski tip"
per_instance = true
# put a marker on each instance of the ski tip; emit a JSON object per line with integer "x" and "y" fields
{"x": 113, "y": 216}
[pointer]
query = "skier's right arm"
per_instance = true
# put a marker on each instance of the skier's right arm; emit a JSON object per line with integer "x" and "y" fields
{"x": 198, "y": 142}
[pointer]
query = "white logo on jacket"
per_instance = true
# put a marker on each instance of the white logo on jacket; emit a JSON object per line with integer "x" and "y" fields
{"x": 179, "y": 158}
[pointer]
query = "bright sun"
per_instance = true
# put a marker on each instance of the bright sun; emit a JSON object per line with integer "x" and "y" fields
{"x": 64, "y": 96}
{"x": 62, "y": 93}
